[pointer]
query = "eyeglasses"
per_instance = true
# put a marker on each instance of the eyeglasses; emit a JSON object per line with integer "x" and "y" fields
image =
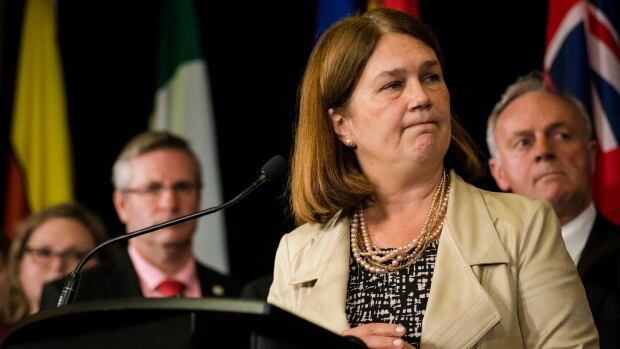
{"x": 44, "y": 256}
{"x": 154, "y": 190}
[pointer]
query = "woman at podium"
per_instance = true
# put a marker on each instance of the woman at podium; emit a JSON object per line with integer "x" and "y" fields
{"x": 394, "y": 246}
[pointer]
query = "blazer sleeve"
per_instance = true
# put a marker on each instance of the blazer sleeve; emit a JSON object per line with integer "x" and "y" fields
{"x": 278, "y": 292}
{"x": 281, "y": 293}
{"x": 552, "y": 305}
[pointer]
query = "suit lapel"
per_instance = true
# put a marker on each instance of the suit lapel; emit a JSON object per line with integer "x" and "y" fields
{"x": 204, "y": 280}
{"x": 124, "y": 279}
{"x": 602, "y": 241}
{"x": 459, "y": 310}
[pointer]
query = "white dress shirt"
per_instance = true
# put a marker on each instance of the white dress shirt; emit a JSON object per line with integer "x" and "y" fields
{"x": 576, "y": 232}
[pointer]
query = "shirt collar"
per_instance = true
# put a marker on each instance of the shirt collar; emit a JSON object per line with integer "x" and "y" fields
{"x": 576, "y": 232}
{"x": 150, "y": 276}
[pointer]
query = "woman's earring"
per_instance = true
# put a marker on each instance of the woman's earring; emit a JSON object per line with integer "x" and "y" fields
{"x": 349, "y": 143}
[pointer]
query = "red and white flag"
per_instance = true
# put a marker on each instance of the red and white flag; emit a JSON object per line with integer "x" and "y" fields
{"x": 582, "y": 57}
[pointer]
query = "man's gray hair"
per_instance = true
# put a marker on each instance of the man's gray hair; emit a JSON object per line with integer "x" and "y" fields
{"x": 147, "y": 142}
{"x": 532, "y": 82}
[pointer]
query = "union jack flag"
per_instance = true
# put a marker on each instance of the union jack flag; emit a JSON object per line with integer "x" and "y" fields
{"x": 582, "y": 57}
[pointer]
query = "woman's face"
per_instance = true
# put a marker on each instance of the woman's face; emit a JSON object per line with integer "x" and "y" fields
{"x": 53, "y": 250}
{"x": 399, "y": 112}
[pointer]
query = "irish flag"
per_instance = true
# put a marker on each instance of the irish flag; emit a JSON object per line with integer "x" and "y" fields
{"x": 183, "y": 106}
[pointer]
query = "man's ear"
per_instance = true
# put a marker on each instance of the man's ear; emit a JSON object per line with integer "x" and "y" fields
{"x": 119, "y": 205}
{"x": 341, "y": 127}
{"x": 497, "y": 171}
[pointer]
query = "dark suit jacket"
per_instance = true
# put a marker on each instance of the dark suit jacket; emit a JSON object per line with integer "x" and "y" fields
{"x": 117, "y": 278}
{"x": 599, "y": 268}
{"x": 257, "y": 288}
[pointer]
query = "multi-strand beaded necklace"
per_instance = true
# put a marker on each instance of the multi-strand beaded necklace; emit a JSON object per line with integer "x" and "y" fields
{"x": 385, "y": 260}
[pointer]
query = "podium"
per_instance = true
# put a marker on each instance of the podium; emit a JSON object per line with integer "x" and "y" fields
{"x": 171, "y": 323}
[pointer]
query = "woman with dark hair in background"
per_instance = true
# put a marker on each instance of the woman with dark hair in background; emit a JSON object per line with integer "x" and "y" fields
{"x": 395, "y": 247}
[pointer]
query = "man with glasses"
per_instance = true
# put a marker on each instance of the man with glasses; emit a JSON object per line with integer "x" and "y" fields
{"x": 156, "y": 178}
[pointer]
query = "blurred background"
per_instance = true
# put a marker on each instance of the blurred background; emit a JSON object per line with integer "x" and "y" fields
{"x": 255, "y": 54}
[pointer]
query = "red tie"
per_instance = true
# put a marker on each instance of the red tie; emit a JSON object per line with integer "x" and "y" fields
{"x": 171, "y": 288}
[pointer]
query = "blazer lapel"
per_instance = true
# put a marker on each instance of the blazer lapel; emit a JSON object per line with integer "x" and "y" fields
{"x": 325, "y": 276}
{"x": 459, "y": 310}
{"x": 124, "y": 278}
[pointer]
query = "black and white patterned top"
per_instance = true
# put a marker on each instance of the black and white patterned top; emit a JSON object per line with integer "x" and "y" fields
{"x": 398, "y": 297}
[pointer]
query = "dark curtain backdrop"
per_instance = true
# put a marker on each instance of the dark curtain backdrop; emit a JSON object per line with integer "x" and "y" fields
{"x": 256, "y": 53}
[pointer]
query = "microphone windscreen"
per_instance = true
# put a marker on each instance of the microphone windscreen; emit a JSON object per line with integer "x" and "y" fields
{"x": 274, "y": 167}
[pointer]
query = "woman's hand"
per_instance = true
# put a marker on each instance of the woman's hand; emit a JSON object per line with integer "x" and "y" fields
{"x": 380, "y": 336}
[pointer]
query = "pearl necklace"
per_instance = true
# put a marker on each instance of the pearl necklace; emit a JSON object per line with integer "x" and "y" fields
{"x": 381, "y": 260}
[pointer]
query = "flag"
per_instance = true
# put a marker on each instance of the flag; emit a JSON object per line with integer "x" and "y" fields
{"x": 582, "y": 57}
{"x": 40, "y": 171}
{"x": 330, "y": 11}
{"x": 15, "y": 202}
{"x": 183, "y": 106}
{"x": 411, "y": 7}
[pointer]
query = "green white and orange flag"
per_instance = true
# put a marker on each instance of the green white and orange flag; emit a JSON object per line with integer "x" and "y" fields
{"x": 40, "y": 137}
{"x": 183, "y": 106}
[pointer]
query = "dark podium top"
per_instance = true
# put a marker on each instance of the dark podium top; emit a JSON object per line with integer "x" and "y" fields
{"x": 171, "y": 323}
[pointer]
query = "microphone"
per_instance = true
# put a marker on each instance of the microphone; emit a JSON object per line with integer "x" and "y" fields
{"x": 270, "y": 170}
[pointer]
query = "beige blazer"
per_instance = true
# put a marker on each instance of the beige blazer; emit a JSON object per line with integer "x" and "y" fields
{"x": 502, "y": 279}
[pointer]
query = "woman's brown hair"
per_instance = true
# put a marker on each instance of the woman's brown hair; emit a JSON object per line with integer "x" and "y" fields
{"x": 325, "y": 175}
